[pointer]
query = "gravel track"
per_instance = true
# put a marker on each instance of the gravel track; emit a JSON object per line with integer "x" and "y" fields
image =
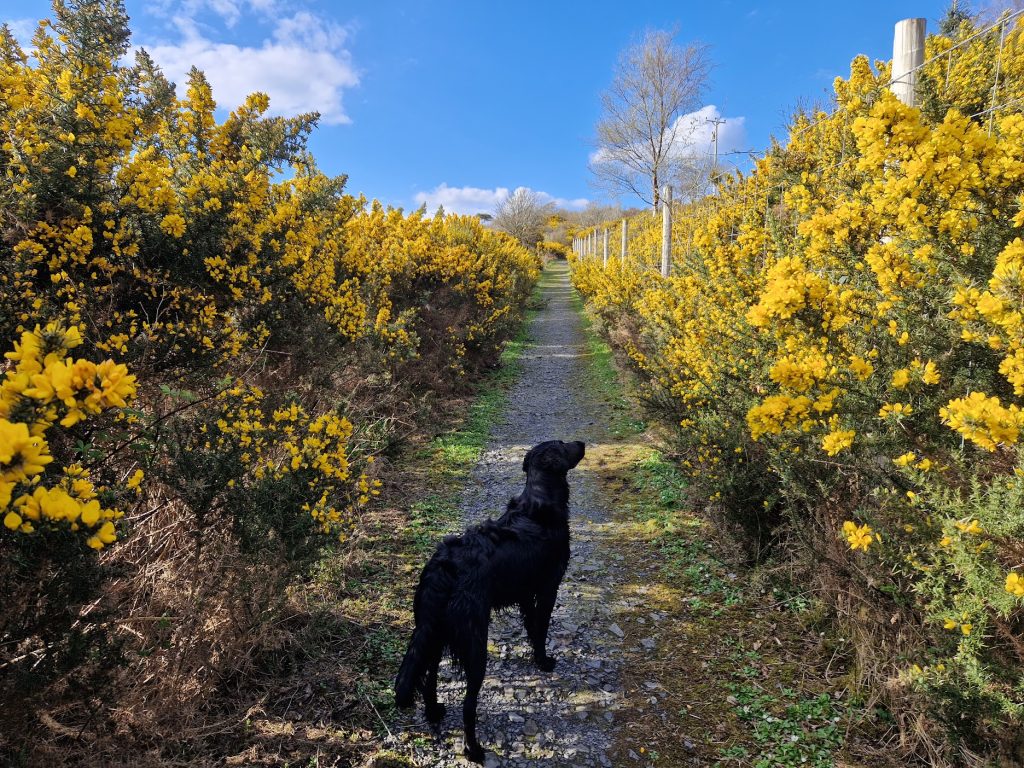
{"x": 528, "y": 717}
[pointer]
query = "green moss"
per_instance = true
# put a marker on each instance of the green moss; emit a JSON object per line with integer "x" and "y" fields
{"x": 603, "y": 378}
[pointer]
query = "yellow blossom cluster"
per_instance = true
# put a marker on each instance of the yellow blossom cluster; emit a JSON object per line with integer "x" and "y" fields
{"x": 859, "y": 536}
{"x": 45, "y": 387}
{"x": 983, "y": 420}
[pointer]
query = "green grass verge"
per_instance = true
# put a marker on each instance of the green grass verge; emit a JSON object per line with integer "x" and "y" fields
{"x": 603, "y": 376}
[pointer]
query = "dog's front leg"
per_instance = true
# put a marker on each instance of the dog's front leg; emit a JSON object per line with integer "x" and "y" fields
{"x": 538, "y": 628}
{"x": 475, "y": 665}
{"x": 528, "y": 609}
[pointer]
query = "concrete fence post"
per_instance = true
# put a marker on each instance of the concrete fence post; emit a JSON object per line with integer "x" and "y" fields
{"x": 907, "y": 57}
{"x": 666, "y": 230}
{"x": 624, "y": 240}
{"x": 606, "y": 247}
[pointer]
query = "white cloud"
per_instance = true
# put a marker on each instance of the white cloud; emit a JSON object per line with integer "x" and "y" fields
{"x": 694, "y": 135}
{"x": 303, "y": 66}
{"x": 468, "y": 200}
{"x": 473, "y": 200}
{"x": 23, "y": 30}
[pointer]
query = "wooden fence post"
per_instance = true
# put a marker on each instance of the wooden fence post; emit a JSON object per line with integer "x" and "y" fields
{"x": 666, "y": 230}
{"x": 624, "y": 240}
{"x": 907, "y": 57}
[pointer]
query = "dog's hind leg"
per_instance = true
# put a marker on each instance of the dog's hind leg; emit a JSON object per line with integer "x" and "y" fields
{"x": 433, "y": 710}
{"x": 528, "y": 609}
{"x": 538, "y": 628}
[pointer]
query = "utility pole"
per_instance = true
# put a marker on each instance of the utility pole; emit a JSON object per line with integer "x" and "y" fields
{"x": 715, "y": 121}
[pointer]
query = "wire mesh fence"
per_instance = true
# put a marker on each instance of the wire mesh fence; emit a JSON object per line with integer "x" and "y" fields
{"x": 977, "y": 72}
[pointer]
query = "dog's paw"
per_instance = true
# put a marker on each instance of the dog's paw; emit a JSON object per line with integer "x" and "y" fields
{"x": 435, "y": 714}
{"x": 474, "y": 753}
{"x": 546, "y": 663}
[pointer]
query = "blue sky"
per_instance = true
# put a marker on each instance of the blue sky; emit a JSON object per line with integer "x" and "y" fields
{"x": 459, "y": 102}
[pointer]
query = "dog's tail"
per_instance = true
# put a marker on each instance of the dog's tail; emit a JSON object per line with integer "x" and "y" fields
{"x": 428, "y": 639}
{"x": 411, "y": 671}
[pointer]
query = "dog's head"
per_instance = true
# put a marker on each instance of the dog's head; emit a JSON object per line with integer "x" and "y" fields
{"x": 554, "y": 456}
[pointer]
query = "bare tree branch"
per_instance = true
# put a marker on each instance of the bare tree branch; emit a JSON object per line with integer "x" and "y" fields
{"x": 639, "y": 141}
{"x": 523, "y": 215}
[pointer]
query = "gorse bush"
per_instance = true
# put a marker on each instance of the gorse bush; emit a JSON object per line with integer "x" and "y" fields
{"x": 840, "y": 345}
{"x": 259, "y": 337}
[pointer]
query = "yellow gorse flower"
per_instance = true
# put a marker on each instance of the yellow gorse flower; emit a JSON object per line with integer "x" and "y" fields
{"x": 43, "y": 385}
{"x": 858, "y": 536}
{"x": 837, "y": 441}
{"x": 1015, "y": 584}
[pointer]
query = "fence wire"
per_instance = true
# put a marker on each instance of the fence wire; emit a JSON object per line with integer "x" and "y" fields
{"x": 590, "y": 243}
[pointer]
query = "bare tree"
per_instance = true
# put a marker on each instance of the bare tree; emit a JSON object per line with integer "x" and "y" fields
{"x": 595, "y": 213}
{"x": 991, "y": 11}
{"x": 523, "y": 215}
{"x": 640, "y": 137}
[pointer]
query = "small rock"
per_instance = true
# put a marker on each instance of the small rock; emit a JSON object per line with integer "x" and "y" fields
{"x": 633, "y": 755}
{"x": 616, "y": 630}
{"x": 530, "y": 728}
{"x": 514, "y": 718}
{"x": 648, "y": 643}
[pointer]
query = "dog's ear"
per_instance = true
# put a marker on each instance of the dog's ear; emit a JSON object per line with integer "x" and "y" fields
{"x": 527, "y": 458}
{"x": 575, "y": 450}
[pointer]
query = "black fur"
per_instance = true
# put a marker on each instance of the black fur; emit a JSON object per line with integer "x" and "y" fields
{"x": 517, "y": 560}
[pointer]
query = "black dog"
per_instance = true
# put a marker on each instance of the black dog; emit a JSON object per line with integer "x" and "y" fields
{"x": 518, "y": 559}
